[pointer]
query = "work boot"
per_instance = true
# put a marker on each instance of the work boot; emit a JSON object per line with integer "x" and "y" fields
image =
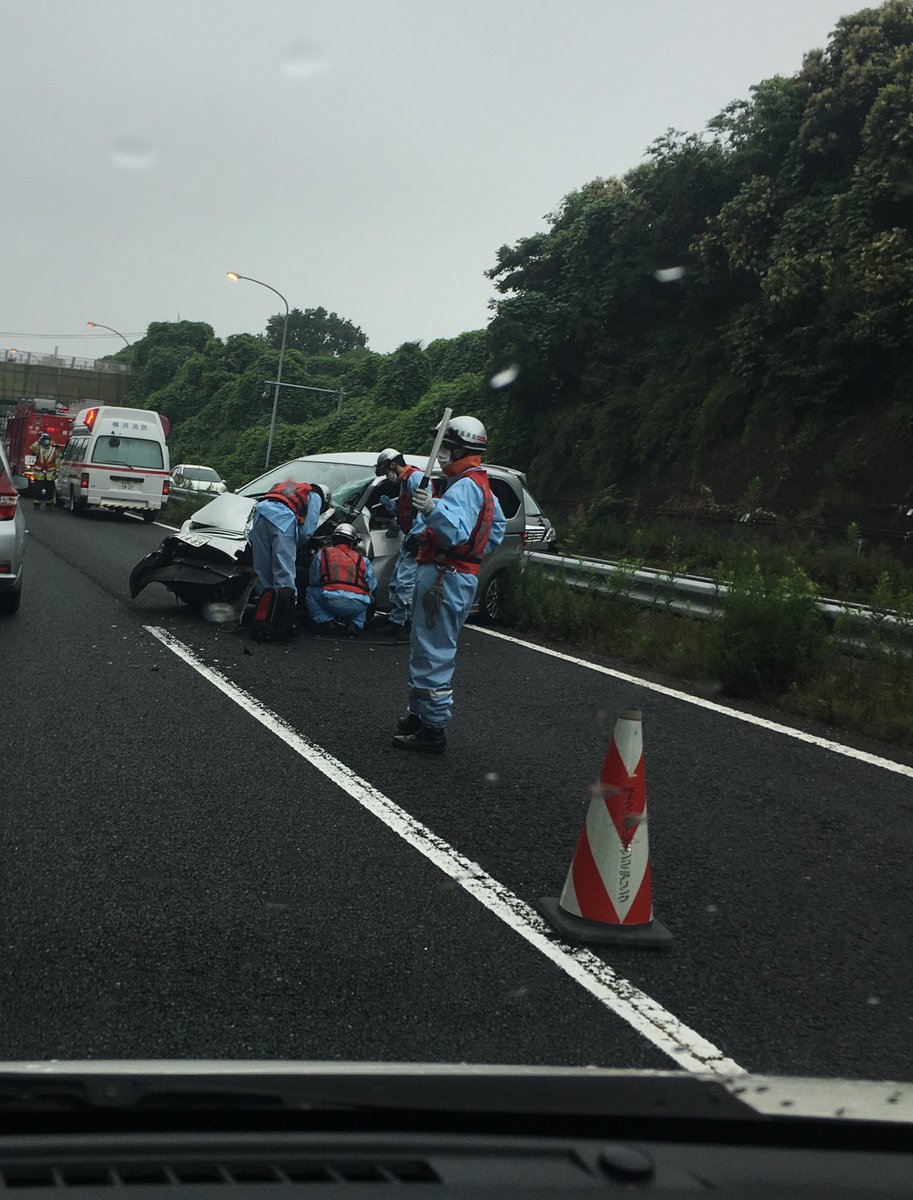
{"x": 426, "y": 739}
{"x": 410, "y": 723}
{"x": 353, "y": 631}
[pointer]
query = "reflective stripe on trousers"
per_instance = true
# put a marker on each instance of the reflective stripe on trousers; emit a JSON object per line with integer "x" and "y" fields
{"x": 401, "y": 588}
{"x": 433, "y": 647}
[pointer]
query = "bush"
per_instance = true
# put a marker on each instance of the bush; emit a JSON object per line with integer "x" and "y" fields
{"x": 771, "y": 634}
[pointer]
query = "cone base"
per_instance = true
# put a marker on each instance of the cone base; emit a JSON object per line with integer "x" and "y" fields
{"x": 578, "y": 929}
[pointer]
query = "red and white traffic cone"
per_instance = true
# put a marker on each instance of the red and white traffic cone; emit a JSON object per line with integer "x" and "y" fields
{"x": 608, "y": 895}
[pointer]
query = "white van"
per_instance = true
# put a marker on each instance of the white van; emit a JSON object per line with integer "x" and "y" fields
{"x": 116, "y": 459}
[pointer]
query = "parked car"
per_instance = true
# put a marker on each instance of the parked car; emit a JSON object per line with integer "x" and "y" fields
{"x": 190, "y": 481}
{"x": 12, "y": 536}
{"x": 540, "y": 532}
{"x": 209, "y": 559}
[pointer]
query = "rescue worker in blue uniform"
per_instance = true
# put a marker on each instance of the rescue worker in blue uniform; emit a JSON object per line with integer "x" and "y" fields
{"x": 340, "y": 585}
{"x": 459, "y": 529}
{"x": 285, "y": 518}
{"x": 402, "y": 582}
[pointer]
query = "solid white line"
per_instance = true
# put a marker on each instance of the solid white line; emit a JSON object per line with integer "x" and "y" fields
{"x": 689, "y": 1050}
{"x": 873, "y": 760}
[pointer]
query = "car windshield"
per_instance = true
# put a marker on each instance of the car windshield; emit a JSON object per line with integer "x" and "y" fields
{"x": 201, "y": 474}
{"x": 342, "y": 477}
{"x": 127, "y": 451}
{"x": 595, "y": 747}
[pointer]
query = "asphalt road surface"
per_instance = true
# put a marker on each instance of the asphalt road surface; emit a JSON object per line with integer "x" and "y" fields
{"x": 212, "y": 849}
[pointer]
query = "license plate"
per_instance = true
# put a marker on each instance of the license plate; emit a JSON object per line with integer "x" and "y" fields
{"x": 194, "y": 539}
{"x": 126, "y": 487}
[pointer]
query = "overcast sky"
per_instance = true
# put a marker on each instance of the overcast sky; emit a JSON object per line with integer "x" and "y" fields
{"x": 369, "y": 156}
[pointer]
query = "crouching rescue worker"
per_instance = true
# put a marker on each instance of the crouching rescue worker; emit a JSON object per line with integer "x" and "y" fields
{"x": 402, "y": 582}
{"x": 44, "y": 470}
{"x": 285, "y": 518}
{"x": 340, "y": 584}
{"x": 458, "y": 529}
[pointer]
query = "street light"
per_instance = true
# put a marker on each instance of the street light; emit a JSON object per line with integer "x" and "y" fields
{"x": 95, "y": 325}
{"x": 234, "y": 277}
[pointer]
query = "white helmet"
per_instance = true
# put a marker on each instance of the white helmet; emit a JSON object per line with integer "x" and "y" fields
{"x": 466, "y": 432}
{"x": 345, "y": 533}
{"x": 384, "y": 459}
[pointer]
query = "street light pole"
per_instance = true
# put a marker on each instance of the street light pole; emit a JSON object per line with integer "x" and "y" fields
{"x": 95, "y": 325}
{"x": 234, "y": 277}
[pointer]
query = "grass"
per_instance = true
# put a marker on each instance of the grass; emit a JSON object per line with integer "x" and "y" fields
{"x": 845, "y": 568}
{"x": 770, "y": 645}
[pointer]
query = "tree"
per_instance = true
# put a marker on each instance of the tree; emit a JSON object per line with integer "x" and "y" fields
{"x": 404, "y": 377}
{"x": 315, "y": 331}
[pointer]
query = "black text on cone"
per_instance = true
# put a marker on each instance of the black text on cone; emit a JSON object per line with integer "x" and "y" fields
{"x": 608, "y": 894}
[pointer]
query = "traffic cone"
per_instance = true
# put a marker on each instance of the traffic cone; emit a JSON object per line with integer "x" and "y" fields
{"x": 608, "y": 895}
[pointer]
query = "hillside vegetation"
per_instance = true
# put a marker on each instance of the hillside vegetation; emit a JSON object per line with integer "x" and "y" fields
{"x": 735, "y": 312}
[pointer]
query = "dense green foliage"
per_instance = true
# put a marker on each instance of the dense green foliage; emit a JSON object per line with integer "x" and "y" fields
{"x": 734, "y": 311}
{"x": 315, "y": 331}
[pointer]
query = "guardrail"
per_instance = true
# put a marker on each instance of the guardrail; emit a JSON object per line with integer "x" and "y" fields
{"x": 28, "y": 358}
{"x": 702, "y": 598}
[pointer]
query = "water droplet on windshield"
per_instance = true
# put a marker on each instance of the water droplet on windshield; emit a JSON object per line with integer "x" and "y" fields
{"x": 504, "y": 378}
{"x": 669, "y": 274}
{"x": 132, "y": 155}
{"x": 302, "y": 60}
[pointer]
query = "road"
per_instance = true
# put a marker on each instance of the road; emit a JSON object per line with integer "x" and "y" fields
{"x": 212, "y": 850}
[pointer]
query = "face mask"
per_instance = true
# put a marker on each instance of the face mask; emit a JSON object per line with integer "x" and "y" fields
{"x": 445, "y": 456}
{"x": 391, "y": 477}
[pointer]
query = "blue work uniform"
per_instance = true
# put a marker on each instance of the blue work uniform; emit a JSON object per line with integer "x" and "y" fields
{"x": 324, "y": 606}
{"x": 275, "y": 536}
{"x": 433, "y": 646}
{"x": 402, "y": 581}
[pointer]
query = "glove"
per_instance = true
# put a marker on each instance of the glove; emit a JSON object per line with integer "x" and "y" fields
{"x": 388, "y": 503}
{"x": 423, "y": 501}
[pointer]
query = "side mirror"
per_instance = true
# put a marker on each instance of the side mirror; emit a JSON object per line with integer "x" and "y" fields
{"x": 20, "y": 483}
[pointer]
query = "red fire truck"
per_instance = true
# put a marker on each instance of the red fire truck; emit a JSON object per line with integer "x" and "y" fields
{"x": 30, "y": 419}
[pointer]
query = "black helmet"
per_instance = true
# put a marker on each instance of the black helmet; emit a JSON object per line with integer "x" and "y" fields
{"x": 345, "y": 533}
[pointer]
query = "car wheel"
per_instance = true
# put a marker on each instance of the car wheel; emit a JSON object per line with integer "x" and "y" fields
{"x": 73, "y": 505}
{"x": 490, "y": 600}
{"x": 149, "y": 515}
{"x": 9, "y": 601}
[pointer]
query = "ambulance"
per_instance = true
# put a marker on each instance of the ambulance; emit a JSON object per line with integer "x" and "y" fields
{"x": 116, "y": 459}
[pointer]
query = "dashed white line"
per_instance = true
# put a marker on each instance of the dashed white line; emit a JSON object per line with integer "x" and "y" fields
{"x": 688, "y": 1049}
{"x": 873, "y": 760}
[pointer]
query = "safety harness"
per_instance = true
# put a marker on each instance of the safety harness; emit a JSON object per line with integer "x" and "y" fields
{"x": 342, "y": 569}
{"x": 294, "y": 495}
{"x": 405, "y": 516}
{"x": 464, "y": 559}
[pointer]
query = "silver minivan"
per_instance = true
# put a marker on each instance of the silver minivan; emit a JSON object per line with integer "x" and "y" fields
{"x": 209, "y": 558}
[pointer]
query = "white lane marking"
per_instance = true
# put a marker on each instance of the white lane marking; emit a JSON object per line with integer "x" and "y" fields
{"x": 689, "y": 1050}
{"x": 158, "y": 524}
{"x": 800, "y": 735}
